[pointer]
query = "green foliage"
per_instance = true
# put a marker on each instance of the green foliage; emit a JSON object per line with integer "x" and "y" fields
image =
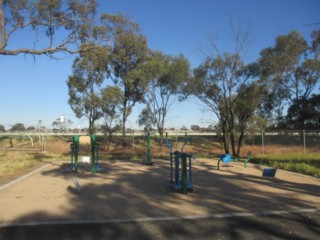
{"x": 303, "y": 168}
{"x": 111, "y": 98}
{"x": 46, "y": 18}
{"x": 84, "y": 84}
{"x": 129, "y": 66}
{"x": 169, "y": 74}
{"x": 305, "y": 163}
{"x": 146, "y": 118}
{"x": 296, "y": 157}
{"x": 18, "y": 127}
{"x": 31, "y": 128}
{"x": 63, "y": 126}
{"x": 290, "y": 72}
{"x": 173, "y": 73}
{"x": 247, "y": 102}
{"x": 183, "y": 128}
{"x": 195, "y": 128}
{"x": 225, "y": 85}
{"x": 304, "y": 114}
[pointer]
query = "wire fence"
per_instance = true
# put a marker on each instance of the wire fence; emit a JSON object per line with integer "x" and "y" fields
{"x": 261, "y": 142}
{"x": 295, "y": 140}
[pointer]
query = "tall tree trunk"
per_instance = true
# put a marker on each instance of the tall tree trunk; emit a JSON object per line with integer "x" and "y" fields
{"x": 161, "y": 138}
{"x": 240, "y": 143}
{"x": 160, "y": 130}
{"x": 124, "y": 144}
{"x": 232, "y": 141}
{"x": 232, "y": 130}
{"x": 225, "y": 138}
{"x": 109, "y": 141}
{"x": 124, "y": 119}
{"x": 91, "y": 126}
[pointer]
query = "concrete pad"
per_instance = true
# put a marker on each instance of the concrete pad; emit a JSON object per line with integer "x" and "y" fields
{"x": 130, "y": 190}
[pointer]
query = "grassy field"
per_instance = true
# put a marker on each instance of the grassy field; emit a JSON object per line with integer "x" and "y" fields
{"x": 305, "y": 163}
{"x": 16, "y": 163}
{"x": 18, "y": 158}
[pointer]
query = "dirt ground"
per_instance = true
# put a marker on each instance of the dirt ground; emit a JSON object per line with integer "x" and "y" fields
{"x": 129, "y": 189}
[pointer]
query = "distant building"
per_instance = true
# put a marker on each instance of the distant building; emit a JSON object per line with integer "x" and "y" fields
{"x": 63, "y": 119}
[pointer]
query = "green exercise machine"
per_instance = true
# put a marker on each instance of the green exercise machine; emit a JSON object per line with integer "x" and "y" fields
{"x": 74, "y": 147}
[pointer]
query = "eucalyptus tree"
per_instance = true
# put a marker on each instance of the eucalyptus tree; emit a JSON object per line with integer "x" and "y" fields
{"x": 230, "y": 93}
{"x": 309, "y": 115}
{"x": 61, "y": 125}
{"x": 18, "y": 127}
{"x": 129, "y": 66}
{"x": 165, "y": 87}
{"x": 290, "y": 70}
{"x": 147, "y": 119}
{"x": 57, "y": 26}
{"x": 85, "y": 84}
{"x": 111, "y": 98}
{"x": 227, "y": 87}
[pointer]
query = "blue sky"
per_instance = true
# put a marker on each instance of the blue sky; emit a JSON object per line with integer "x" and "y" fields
{"x": 34, "y": 89}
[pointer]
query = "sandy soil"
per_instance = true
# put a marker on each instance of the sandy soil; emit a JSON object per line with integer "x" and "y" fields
{"x": 132, "y": 190}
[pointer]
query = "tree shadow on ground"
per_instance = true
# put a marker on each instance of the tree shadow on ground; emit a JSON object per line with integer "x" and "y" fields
{"x": 294, "y": 226}
{"x": 129, "y": 191}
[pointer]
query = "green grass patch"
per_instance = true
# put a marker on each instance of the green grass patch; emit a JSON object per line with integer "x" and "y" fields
{"x": 290, "y": 157}
{"x": 299, "y": 167}
{"x": 308, "y": 164}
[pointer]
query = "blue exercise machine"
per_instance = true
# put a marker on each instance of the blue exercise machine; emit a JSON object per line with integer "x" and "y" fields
{"x": 177, "y": 183}
{"x": 226, "y": 158}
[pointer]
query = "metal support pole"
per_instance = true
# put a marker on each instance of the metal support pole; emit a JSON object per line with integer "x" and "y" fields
{"x": 76, "y": 152}
{"x": 184, "y": 178}
{"x": 185, "y": 141}
{"x": 93, "y": 157}
{"x": 97, "y": 155}
{"x": 190, "y": 172}
{"x": 176, "y": 141}
{"x": 170, "y": 148}
{"x": 177, "y": 171}
{"x": 72, "y": 153}
{"x": 171, "y": 168}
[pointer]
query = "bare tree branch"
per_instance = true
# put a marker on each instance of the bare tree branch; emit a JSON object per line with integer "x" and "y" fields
{"x": 49, "y": 18}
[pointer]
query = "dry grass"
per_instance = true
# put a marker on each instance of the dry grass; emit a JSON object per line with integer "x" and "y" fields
{"x": 279, "y": 150}
{"x": 20, "y": 142}
{"x": 57, "y": 146}
{"x": 14, "y": 163}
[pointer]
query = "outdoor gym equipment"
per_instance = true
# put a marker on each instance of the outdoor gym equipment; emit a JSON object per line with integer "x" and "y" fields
{"x": 244, "y": 160}
{"x": 269, "y": 172}
{"x": 226, "y": 158}
{"x": 148, "y": 154}
{"x": 95, "y": 167}
{"x": 180, "y": 184}
{"x": 74, "y": 146}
